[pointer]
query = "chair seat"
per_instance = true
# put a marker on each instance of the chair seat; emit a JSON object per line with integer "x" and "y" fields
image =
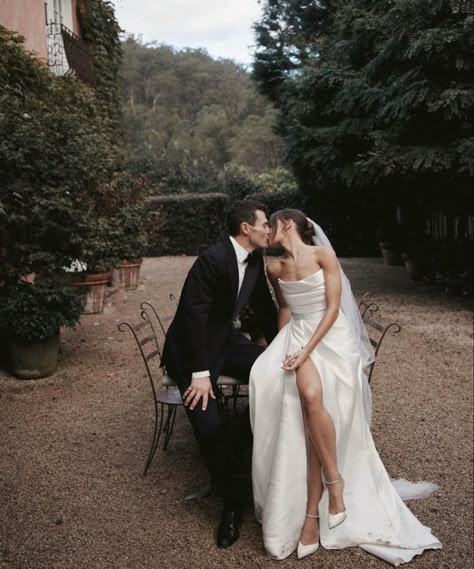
{"x": 222, "y": 380}
{"x": 228, "y": 380}
{"x": 169, "y": 397}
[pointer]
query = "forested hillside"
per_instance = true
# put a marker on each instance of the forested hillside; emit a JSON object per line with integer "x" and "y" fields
{"x": 193, "y": 122}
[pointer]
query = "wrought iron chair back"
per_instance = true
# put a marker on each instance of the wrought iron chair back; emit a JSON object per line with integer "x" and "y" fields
{"x": 377, "y": 332}
{"x": 147, "y": 341}
{"x": 367, "y": 307}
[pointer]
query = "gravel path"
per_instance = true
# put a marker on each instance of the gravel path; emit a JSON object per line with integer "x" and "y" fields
{"x": 73, "y": 445}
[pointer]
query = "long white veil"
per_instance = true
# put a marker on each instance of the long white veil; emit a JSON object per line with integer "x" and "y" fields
{"x": 348, "y": 303}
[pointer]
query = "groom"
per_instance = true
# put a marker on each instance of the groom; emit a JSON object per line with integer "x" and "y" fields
{"x": 204, "y": 340}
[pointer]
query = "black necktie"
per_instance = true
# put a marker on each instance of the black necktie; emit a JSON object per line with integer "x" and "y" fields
{"x": 251, "y": 258}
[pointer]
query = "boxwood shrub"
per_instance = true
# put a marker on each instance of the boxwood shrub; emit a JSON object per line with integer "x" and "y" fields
{"x": 185, "y": 224}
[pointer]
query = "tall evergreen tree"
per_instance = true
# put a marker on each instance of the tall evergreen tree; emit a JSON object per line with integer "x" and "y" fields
{"x": 376, "y": 99}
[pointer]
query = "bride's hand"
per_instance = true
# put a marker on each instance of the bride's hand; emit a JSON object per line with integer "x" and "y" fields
{"x": 293, "y": 361}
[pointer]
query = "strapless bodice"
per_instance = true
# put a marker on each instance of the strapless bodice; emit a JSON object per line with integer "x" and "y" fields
{"x": 306, "y": 295}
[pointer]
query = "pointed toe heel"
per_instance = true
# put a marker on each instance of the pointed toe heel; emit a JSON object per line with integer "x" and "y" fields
{"x": 305, "y": 550}
{"x": 335, "y": 520}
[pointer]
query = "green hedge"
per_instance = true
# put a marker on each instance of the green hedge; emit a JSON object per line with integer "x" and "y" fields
{"x": 281, "y": 200}
{"x": 185, "y": 224}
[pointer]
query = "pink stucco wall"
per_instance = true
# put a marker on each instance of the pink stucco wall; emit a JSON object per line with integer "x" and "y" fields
{"x": 27, "y": 17}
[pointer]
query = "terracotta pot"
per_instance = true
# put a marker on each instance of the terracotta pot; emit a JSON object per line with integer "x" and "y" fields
{"x": 128, "y": 275}
{"x": 33, "y": 360}
{"x": 92, "y": 286}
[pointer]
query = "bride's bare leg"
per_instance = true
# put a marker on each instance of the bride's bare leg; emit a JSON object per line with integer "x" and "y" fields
{"x": 320, "y": 429}
{"x": 310, "y": 532}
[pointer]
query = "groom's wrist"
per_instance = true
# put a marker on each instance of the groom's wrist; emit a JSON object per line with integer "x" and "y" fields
{"x": 200, "y": 374}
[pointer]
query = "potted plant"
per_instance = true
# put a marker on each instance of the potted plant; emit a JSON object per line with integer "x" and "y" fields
{"x": 31, "y": 316}
{"x": 131, "y": 246}
{"x": 93, "y": 268}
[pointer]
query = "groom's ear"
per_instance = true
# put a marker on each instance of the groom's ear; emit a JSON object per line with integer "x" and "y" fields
{"x": 244, "y": 228}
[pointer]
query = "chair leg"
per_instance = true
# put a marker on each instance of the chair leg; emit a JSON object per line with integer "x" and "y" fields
{"x": 169, "y": 431}
{"x": 156, "y": 437}
{"x": 235, "y": 393}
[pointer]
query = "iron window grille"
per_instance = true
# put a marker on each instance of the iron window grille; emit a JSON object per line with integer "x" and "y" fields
{"x": 68, "y": 54}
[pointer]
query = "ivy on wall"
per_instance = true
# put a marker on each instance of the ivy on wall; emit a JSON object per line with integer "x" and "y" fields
{"x": 101, "y": 31}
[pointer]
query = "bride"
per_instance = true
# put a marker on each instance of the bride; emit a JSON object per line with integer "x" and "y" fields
{"x": 317, "y": 477}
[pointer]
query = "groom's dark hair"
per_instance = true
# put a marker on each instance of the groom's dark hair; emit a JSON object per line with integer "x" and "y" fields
{"x": 243, "y": 210}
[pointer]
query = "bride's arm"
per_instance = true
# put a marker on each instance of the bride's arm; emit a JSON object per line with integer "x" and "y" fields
{"x": 284, "y": 311}
{"x": 332, "y": 281}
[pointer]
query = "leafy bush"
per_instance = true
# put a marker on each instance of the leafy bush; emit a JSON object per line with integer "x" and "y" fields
{"x": 276, "y": 180}
{"x": 237, "y": 183}
{"x": 129, "y": 237}
{"x": 58, "y": 152}
{"x": 35, "y": 311}
{"x": 184, "y": 224}
{"x": 282, "y": 199}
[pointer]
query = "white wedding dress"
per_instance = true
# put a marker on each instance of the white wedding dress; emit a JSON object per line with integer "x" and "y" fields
{"x": 377, "y": 519}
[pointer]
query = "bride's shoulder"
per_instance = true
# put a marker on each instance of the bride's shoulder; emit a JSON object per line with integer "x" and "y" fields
{"x": 318, "y": 251}
{"x": 325, "y": 254}
{"x": 274, "y": 268}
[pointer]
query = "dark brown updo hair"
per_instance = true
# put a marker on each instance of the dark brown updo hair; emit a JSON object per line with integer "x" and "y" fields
{"x": 304, "y": 228}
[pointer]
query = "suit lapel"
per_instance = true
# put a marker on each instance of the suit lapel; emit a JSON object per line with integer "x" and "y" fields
{"x": 232, "y": 269}
{"x": 247, "y": 287}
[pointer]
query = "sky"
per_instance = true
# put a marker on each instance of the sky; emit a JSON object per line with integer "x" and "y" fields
{"x": 222, "y": 27}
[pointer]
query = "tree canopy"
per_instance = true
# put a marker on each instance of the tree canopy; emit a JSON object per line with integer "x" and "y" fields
{"x": 188, "y": 117}
{"x": 375, "y": 97}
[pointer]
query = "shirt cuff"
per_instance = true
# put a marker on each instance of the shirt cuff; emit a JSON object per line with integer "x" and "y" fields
{"x": 200, "y": 374}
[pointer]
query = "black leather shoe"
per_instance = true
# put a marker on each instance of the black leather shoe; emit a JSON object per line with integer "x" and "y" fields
{"x": 228, "y": 531}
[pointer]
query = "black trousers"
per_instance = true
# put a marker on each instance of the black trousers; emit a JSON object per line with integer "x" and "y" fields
{"x": 222, "y": 447}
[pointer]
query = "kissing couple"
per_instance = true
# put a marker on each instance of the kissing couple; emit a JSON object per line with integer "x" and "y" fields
{"x": 316, "y": 475}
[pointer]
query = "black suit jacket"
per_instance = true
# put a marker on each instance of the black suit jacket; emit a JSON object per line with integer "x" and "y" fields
{"x": 207, "y": 307}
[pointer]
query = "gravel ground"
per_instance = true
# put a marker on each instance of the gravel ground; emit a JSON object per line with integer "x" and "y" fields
{"x": 73, "y": 445}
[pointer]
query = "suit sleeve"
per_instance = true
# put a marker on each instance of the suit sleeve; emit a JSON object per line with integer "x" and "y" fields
{"x": 264, "y": 306}
{"x": 199, "y": 293}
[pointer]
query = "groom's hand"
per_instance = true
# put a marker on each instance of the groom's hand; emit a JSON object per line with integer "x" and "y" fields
{"x": 200, "y": 388}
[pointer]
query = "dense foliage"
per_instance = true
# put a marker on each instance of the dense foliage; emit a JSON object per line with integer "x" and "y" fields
{"x": 376, "y": 100}
{"x": 64, "y": 193}
{"x": 36, "y": 311}
{"x": 100, "y": 29}
{"x": 189, "y": 118}
{"x": 184, "y": 224}
{"x": 57, "y": 155}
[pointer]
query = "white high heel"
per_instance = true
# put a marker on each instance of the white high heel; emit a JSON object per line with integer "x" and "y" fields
{"x": 305, "y": 550}
{"x": 335, "y": 520}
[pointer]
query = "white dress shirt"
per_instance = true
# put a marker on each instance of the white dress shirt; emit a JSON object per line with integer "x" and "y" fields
{"x": 241, "y": 255}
